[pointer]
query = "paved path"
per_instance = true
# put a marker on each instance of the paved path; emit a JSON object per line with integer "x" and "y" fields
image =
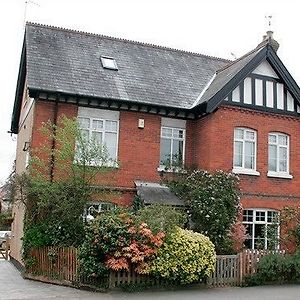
{"x": 13, "y": 286}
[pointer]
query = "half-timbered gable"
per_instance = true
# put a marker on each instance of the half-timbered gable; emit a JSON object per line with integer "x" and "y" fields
{"x": 263, "y": 89}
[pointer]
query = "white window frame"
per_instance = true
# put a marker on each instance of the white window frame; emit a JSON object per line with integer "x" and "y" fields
{"x": 243, "y": 170}
{"x": 161, "y": 166}
{"x": 90, "y": 208}
{"x": 265, "y": 223}
{"x": 277, "y": 173}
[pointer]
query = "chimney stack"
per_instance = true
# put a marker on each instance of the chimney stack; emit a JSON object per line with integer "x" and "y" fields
{"x": 268, "y": 37}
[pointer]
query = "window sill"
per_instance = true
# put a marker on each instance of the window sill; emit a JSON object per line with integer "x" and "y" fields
{"x": 170, "y": 169}
{"x": 279, "y": 175}
{"x": 246, "y": 172}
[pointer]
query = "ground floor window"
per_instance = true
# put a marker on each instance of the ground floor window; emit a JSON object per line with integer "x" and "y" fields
{"x": 95, "y": 208}
{"x": 262, "y": 227}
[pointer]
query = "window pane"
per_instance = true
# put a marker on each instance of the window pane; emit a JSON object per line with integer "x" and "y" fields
{"x": 259, "y": 236}
{"x": 165, "y": 151}
{"x": 250, "y": 135}
{"x": 238, "y": 154}
{"x": 111, "y": 144}
{"x": 249, "y": 233}
{"x": 97, "y": 137}
{"x": 282, "y": 139}
{"x": 84, "y": 123}
{"x": 272, "y": 158}
{"x": 177, "y": 133}
{"x": 272, "y": 138}
{"x": 238, "y": 133}
{"x": 260, "y": 216}
{"x": 272, "y": 217}
{"x": 248, "y": 215}
{"x": 177, "y": 152}
{"x": 166, "y": 132}
{"x": 111, "y": 126}
{"x": 249, "y": 155}
{"x": 85, "y": 135}
{"x": 282, "y": 159}
{"x": 97, "y": 124}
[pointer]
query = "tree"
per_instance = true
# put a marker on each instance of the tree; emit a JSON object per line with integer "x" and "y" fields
{"x": 61, "y": 179}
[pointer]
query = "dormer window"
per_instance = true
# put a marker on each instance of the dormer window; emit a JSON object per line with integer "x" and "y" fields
{"x": 109, "y": 63}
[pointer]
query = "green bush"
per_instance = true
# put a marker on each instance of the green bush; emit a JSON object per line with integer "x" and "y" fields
{"x": 275, "y": 268}
{"x": 185, "y": 257}
{"x": 213, "y": 199}
{"x": 161, "y": 217}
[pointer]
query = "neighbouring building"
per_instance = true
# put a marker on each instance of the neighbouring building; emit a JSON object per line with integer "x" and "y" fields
{"x": 150, "y": 104}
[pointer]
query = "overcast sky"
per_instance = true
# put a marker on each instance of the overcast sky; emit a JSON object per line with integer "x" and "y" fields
{"x": 213, "y": 27}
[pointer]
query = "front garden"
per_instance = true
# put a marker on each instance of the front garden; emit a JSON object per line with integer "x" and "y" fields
{"x": 150, "y": 244}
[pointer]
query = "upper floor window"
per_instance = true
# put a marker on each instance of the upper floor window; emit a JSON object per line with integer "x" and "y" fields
{"x": 278, "y": 159}
{"x": 100, "y": 128}
{"x": 262, "y": 228}
{"x": 172, "y": 144}
{"x": 244, "y": 156}
{"x": 104, "y": 132}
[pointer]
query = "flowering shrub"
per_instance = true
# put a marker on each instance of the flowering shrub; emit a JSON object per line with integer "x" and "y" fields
{"x": 115, "y": 241}
{"x": 185, "y": 257}
{"x": 238, "y": 235}
{"x": 214, "y": 204}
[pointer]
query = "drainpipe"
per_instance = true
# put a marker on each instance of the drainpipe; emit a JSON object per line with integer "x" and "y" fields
{"x": 52, "y": 159}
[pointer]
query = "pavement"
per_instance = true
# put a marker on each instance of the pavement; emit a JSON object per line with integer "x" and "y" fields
{"x": 13, "y": 286}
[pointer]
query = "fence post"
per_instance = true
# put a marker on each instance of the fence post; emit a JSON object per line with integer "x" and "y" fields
{"x": 7, "y": 246}
{"x": 240, "y": 264}
{"x": 111, "y": 280}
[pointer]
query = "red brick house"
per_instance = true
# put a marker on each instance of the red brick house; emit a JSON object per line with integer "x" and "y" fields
{"x": 150, "y": 103}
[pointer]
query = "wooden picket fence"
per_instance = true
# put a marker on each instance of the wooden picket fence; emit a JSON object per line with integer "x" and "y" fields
{"x": 60, "y": 265}
{"x": 232, "y": 269}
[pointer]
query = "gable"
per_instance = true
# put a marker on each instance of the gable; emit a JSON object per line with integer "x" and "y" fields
{"x": 247, "y": 82}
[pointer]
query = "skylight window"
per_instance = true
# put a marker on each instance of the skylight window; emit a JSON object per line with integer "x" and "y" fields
{"x": 109, "y": 63}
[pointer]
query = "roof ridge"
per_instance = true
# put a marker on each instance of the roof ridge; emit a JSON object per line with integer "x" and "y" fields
{"x": 126, "y": 40}
{"x": 261, "y": 45}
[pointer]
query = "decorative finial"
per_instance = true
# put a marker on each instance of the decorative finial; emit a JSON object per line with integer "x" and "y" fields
{"x": 269, "y": 21}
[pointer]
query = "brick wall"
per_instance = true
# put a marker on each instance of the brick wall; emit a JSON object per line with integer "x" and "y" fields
{"x": 214, "y": 142}
{"x": 209, "y": 145}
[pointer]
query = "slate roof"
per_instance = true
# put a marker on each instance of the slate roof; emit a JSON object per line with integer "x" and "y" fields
{"x": 65, "y": 61}
{"x": 224, "y": 75}
{"x": 154, "y": 193}
{"x": 68, "y": 61}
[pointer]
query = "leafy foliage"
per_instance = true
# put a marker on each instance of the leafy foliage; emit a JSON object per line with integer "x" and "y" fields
{"x": 185, "y": 257}
{"x": 58, "y": 185}
{"x": 238, "y": 235}
{"x": 290, "y": 222}
{"x": 161, "y": 217}
{"x": 276, "y": 268}
{"x": 117, "y": 240}
{"x": 214, "y": 204}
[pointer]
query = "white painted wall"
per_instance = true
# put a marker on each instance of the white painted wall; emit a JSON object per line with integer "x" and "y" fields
{"x": 290, "y": 102}
{"x": 247, "y": 91}
{"x": 236, "y": 95}
{"x": 258, "y": 92}
{"x": 269, "y": 94}
{"x": 280, "y": 98}
{"x": 265, "y": 69}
